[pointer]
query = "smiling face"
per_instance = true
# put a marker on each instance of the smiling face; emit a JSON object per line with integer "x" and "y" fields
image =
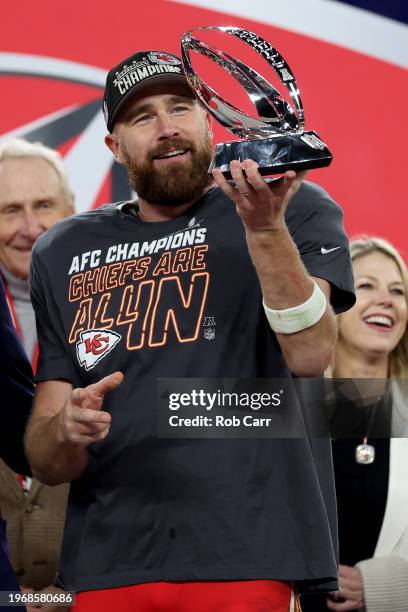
{"x": 377, "y": 322}
{"x": 31, "y": 201}
{"x": 164, "y": 140}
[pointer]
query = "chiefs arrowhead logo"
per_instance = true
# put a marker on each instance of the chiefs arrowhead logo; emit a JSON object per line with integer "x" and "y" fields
{"x": 162, "y": 58}
{"x": 94, "y": 345}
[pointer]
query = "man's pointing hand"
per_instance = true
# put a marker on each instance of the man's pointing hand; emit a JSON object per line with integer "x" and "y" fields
{"x": 82, "y": 421}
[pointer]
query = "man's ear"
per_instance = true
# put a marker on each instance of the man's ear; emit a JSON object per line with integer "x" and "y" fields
{"x": 210, "y": 121}
{"x": 112, "y": 143}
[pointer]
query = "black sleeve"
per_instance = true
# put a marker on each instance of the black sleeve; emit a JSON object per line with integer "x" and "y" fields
{"x": 53, "y": 360}
{"x": 17, "y": 391}
{"x": 316, "y": 225}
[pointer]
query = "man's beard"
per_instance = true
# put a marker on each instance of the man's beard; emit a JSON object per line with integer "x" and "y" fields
{"x": 176, "y": 183}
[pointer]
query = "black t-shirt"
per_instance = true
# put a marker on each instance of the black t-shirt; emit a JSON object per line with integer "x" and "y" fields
{"x": 148, "y": 509}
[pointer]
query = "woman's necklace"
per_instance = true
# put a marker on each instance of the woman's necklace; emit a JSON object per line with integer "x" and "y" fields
{"x": 365, "y": 453}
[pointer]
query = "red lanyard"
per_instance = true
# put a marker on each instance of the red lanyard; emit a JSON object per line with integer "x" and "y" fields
{"x": 13, "y": 313}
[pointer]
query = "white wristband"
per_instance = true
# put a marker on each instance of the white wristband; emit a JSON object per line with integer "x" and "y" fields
{"x": 291, "y": 320}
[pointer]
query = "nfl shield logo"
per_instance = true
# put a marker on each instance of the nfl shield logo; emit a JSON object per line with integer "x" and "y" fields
{"x": 209, "y": 333}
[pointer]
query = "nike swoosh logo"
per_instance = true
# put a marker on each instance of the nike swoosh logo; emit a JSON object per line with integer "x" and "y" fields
{"x": 325, "y": 251}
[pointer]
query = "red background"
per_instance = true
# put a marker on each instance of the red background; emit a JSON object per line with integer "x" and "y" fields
{"x": 356, "y": 103}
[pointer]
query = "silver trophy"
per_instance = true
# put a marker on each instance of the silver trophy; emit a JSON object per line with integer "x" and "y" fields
{"x": 276, "y": 140}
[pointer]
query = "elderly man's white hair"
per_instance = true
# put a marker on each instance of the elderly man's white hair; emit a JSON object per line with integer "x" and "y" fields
{"x": 17, "y": 148}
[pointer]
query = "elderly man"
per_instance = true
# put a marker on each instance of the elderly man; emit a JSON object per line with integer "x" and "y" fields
{"x": 34, "y": 195}
{"x": 123, "y": 296}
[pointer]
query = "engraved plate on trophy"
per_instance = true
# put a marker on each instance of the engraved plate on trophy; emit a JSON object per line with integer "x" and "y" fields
{"x": 276, "y": 139}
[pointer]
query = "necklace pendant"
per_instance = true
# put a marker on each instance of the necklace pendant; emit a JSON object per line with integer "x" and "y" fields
{"x": 365, "y": 454}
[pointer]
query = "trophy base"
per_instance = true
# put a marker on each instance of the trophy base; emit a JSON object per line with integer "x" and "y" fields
{"x": 274, "y": 154}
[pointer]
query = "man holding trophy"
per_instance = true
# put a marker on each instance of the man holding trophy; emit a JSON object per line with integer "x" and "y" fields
{"x": 227, "y": 524}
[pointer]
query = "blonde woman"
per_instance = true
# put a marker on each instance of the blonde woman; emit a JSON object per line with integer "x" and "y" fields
{"x": 371, "y": 472}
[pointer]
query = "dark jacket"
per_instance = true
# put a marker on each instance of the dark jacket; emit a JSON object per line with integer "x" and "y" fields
{"x": 16, "y": 391}
{"x": 16, "y": 394}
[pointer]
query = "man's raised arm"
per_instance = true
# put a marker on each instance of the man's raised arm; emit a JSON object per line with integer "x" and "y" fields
{"x": 284, "y": 280}
{"x": 64, "y": 422}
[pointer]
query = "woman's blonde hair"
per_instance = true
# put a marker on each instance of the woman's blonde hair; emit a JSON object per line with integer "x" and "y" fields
{"x": 365, "y": 245}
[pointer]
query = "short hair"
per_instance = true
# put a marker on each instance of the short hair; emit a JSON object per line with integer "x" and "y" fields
{"x": 365, "y": 245}
{"x": 18, "y": 148}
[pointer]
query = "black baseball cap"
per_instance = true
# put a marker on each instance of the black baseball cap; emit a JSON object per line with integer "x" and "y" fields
{"x": 136, "y": 72}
